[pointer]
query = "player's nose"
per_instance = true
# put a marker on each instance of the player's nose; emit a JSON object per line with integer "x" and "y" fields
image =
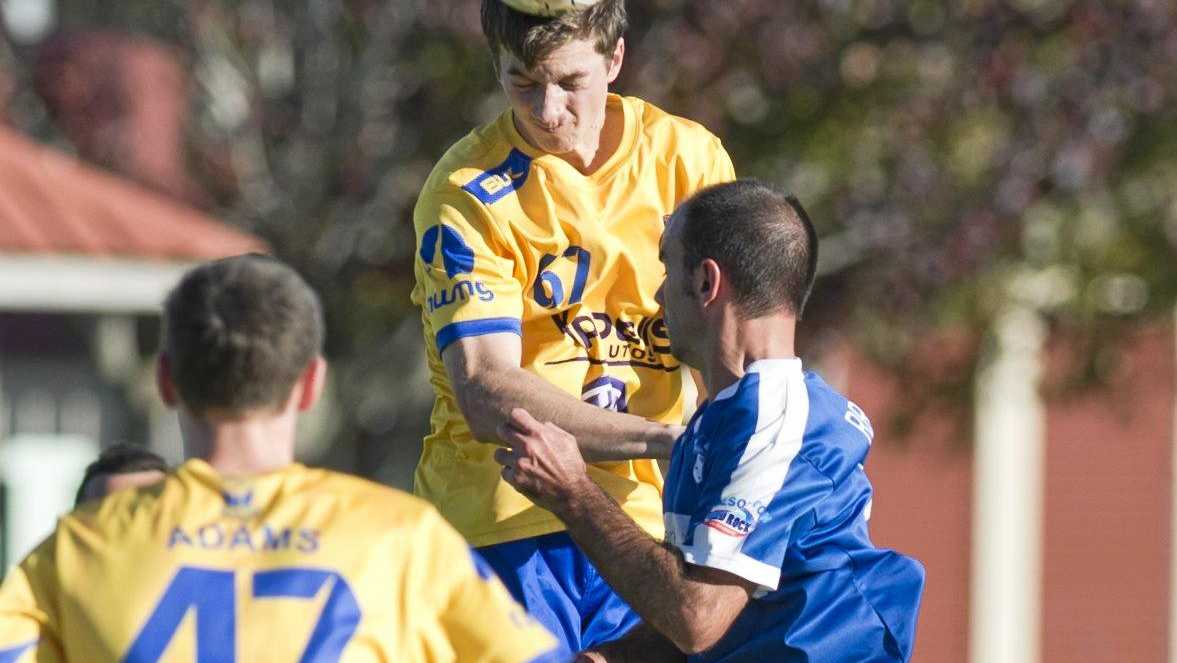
{"x": 549, "y": 106}
{"x": 658, "y": 294}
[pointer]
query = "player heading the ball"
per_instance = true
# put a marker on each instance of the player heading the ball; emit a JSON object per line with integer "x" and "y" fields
{"x": 536, "y": 272}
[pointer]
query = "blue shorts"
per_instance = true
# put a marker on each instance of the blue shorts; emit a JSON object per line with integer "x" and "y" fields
{"x": 560, "y": 587}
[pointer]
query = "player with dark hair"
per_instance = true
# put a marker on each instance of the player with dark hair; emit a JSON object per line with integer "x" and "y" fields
{"x": 273, "y": 561}
{"x": 767, "y": 555}
{"x": 118, "y": 467}
{"x": 538, "y": 242}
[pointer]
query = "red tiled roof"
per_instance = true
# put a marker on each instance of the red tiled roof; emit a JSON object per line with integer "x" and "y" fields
{"x": 50, "y": 203}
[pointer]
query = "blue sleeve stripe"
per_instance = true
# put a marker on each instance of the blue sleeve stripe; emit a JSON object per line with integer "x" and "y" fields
{"x": 13, "y": 654}
{"x": 456, "y": 330}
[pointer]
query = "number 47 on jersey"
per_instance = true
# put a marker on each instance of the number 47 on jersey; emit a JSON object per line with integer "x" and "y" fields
{"x": 211, "y": 593}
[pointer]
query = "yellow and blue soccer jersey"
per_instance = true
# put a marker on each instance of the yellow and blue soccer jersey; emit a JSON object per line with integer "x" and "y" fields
{"x": 295, "y": 565}
{"x": 768, "y": 484}
{"x": 512, "y": 240}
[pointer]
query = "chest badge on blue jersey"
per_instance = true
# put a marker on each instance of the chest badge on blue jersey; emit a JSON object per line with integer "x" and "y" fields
{"x": 493, "y": 185}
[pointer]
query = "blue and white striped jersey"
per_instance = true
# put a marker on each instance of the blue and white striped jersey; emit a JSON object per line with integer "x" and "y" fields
{"x": 768, "y": 484}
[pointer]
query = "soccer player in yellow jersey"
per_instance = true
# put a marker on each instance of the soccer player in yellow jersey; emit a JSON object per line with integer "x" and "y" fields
{"x": 241, "y": 554}
{"x": 538, "y": 262}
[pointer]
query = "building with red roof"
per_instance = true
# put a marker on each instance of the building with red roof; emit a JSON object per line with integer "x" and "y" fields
{"x": 73, "y": 238}
{"x": 86, "y": 259}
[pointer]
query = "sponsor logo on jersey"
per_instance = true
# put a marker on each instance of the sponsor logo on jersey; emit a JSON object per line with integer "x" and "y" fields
{"x": 642, "y": 340}
{"x": 505, "y": 178}
{"x": 456, "y": 255}
{"x": 609, "y": 341}
{"x": 457, "y": 258}
{"x": 462, "y": 291}
{"x": 606, "y": 393}
{"x": 731, "y": 520}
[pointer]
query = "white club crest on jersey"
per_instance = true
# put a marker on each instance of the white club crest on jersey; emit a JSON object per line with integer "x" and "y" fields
{"x": 606, "y": 393}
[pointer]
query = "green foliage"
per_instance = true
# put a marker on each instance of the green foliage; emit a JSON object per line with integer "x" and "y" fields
{"x": 940, "y": 147}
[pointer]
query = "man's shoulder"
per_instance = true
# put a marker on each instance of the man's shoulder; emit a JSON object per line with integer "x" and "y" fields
{"x": 118, "y": 508}
{"x": 780, "y": 400}
{"x": 483, "y": 150}
{"x": 378, "y": 504}
{"x": 760, "y": 396}
{"x": 837, "y": 430}
{"x": 824, "y": 400}
{"x": 180, "y": 501}
{"x": 659, "y": 127}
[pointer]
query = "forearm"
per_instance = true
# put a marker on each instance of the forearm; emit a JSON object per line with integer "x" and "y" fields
{"x": 643, "y": 644}
{"x": 651, "y": 577}
{"x": 693, "y": 606}
{"x": 602, "y": 435}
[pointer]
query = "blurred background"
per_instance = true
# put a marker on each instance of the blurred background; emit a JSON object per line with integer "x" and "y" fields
{"x": 994, "y": 182}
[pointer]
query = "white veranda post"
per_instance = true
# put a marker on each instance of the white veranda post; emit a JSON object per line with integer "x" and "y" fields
{"x": 1008, "y": 480}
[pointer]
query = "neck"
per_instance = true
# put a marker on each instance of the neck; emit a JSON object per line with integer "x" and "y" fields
{"x": 240, "y": 446}
{"x": 735, "y": 344}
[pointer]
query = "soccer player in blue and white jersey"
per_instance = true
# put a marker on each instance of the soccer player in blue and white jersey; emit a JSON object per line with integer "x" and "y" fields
{"x": 767, "y": 555}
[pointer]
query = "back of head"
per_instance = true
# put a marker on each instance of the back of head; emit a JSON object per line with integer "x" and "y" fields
{"x": 531, "y": 29}
{"x": 239, "y": 332}
{"x": 118, "y": 459}
{"x": 762, "y": 240}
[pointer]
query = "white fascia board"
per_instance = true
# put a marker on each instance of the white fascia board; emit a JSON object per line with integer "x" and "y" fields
{"x": 80, "y": 284}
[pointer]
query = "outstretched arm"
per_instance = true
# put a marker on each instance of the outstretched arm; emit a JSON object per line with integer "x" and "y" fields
{"x": 693, "y": 606}
{"x": 488, "y": 382}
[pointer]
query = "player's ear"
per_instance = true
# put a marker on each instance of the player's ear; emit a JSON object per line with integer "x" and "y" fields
{"x": 311, "y": 385}
{"x": 616, "y": 59}
{"x": 163, "y": 380}
{"x": 708, "y": 279}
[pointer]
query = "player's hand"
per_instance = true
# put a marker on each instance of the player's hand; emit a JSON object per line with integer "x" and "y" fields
{"x": 542, "y": 461}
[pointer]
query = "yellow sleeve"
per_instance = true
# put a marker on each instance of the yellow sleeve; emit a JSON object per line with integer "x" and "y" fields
{"x": 466, "y": 276}
{"x": 719, "y": 166}
{"x": 478, "y": 619}
{"x": 28, "y": 633}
